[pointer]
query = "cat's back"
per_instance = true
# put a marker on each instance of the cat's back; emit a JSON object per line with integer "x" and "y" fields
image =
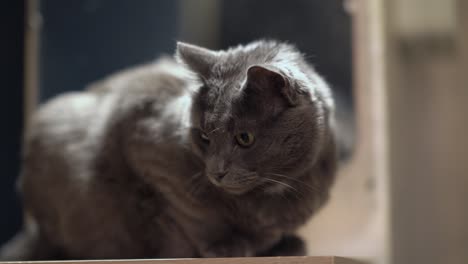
{"x": 74, "y": 118}
{"x": 67, "y": 132}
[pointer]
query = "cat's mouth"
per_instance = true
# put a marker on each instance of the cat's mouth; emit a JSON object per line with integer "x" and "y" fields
{"x": 235, "y": 185}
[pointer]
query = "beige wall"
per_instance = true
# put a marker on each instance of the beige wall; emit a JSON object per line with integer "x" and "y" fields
{"x": 404, "y": 196}
{"x": 428, "y": 121}
{"x": 354, "y": 223}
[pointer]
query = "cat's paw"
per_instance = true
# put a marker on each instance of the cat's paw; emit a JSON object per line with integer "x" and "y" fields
{"x": 289, "y": 245}
{"x": 231, "y": 248}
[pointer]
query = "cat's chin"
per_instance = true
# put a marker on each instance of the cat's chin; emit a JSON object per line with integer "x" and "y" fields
{"x": 236, "y": 190}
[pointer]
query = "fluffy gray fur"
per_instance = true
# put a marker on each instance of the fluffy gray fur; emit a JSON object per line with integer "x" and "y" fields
{"x": 145, "y": 164}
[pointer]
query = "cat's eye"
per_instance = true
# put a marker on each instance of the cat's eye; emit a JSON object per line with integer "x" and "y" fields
{"x": 245, "y": 139}
{"x": 204, "y": 137}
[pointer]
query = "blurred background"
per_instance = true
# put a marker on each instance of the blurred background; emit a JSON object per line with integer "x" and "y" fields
{"x": 398, "y": 69}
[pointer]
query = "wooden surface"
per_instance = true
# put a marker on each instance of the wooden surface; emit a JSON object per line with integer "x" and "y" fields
{"x": 267, "y": 260}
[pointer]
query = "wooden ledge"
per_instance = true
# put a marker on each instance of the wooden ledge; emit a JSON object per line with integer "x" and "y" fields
{"x": 259, "y": 260}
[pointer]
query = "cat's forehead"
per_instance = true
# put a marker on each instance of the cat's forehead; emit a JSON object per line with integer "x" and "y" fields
{"x": 212, "y": 105}
{"x": 227, "y": 112}
{"x": 217, "y": 120}
{"x": 227, "y": 116}
{"x": 218, "y": 94}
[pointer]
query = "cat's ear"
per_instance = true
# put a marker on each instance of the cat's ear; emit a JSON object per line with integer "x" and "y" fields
{"x": 265, "y": 77}
{"x": 198, "y": 59}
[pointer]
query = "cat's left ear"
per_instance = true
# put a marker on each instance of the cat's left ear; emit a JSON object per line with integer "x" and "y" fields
{"x": 266, "y": 77}
{"x": 198, "y": 59}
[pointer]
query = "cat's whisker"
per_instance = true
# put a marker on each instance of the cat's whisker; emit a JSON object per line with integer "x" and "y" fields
{"x": 196, "y": 174}
{"x": 195, "y": 177}
{"x": 234, "y": 148}
{"x": 195, "y": 185}
{"x": 281, "y": 194}
{"x": 196, "y": 188}
{"x": 283, "y": 167}
{"x": 284, "y": 184}
{"x": 214, "y": 130}
{"x": 313, "y": 188}
{"x": 246, "y": 180}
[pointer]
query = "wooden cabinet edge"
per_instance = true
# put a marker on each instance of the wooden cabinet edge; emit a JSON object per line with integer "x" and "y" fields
{"x": 258, "y": 260}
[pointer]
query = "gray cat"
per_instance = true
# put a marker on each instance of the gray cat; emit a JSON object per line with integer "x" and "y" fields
{"x": 223, "y": 153}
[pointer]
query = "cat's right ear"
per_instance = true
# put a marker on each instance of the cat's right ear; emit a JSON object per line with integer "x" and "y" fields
{"x": 268, "y": 77}
{"x": 198, "y": 59}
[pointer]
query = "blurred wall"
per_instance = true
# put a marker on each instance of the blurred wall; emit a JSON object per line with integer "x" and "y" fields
{"x": 427, "y": 107}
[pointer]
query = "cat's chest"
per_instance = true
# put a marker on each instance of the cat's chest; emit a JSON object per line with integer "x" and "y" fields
{"x": 268, "y": 213}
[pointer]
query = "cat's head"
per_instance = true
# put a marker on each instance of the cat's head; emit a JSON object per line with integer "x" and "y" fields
{"x": 259, "y": 116}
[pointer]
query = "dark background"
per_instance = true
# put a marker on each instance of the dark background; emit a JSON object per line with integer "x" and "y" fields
{"x": 11, "y": 111}
{"x": 84, "y": 40}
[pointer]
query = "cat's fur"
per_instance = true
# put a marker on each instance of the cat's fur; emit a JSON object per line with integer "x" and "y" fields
{"x": 145, "y": 163}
